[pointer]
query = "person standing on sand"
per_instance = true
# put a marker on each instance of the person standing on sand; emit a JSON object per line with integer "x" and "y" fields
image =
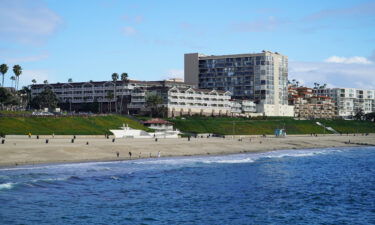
{"x": 118, "y": 154}
{"x": 130, "y": 155}
{"x": 158, "y": 154}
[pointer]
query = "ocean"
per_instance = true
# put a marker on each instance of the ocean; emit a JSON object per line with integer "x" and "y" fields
{"x": 313, "y": 186}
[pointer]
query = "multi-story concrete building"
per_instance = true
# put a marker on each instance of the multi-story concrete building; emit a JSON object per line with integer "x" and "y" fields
{"x": 77, "y": 94}
{"x": 192, "y": 101}
{"x": 259, "y": 77}
{"x": 244, "y": 108}
{"x": 181, "y": 101}
{"x": 350, "y": 100}
{"x": 310, "y": 105}
{"x": 178, "y": 98}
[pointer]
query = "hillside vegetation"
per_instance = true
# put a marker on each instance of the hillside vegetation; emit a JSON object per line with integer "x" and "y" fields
{"x": 243, "y": 126}
{"x": 98, "y": 125}
{"x": 94, "y": 125}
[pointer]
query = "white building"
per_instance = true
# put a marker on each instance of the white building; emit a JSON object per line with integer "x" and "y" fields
{"x": 192, "y": 101}
{"x": 350, "y": 100}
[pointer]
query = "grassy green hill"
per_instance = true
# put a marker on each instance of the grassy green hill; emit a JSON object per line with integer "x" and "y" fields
{"x": 248, "y": 126}
{"x": 65, "y": 125}
{"x": 224, "y": 125}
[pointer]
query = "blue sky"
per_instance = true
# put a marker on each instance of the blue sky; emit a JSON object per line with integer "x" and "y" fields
{"x": 329, "y": 42}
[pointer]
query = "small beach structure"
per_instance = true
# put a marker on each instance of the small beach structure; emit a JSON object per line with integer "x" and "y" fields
{"x": 126, "y": 132}
{"x": 158, "y": 124}
{"x": 163, "y": 129}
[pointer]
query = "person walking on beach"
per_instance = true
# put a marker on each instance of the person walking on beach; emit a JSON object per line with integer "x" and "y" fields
{"x": 29, "y": 135}
{"x": 130, "y": 154}
{"x": 158, "y": 154}
{"x": 118, "y": 154}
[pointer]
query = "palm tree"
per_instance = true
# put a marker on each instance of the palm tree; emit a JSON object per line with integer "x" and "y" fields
{"x": 17, "y": 70}
{"x": 109, "y": 97}
{"x": 45, "y": 82}
{"x": 70, "y": 80}
{"x": 124, "y": 79}
{"x": 33, "y": 81}
{"x": 115, "y": 78}
{"x": 3, "y": 71}
{"x": 153, "y": 102}
{"x": 13, "y": 79}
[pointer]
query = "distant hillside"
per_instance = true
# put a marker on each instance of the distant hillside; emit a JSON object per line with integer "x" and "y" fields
{"x": 94, "y": 125}
{"x": 97, "y": 125}
{"x": 243, "y": 126}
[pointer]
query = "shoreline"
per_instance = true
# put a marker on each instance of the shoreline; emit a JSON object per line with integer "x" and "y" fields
{"x": 19, "y": 150}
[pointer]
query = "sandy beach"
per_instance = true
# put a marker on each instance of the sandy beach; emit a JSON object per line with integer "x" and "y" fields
{"x": 21, "y": 150}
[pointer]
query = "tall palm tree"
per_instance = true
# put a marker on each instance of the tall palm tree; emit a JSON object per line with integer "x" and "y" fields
{"x": 45, "y": 82}
{"x": 124, "y": 79}
{"x": 115, "y": 78}
{"x": 70, "y": 80}
{"x": 3, "y": 71}
{"x": 17, "y": 70}
{"x": 33, "y": 81}
{"x": 13, "y": 79}
{"x": 109, "y": 97}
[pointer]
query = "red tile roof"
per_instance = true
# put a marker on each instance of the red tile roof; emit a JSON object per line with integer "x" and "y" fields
{"x": 157, "y": 121}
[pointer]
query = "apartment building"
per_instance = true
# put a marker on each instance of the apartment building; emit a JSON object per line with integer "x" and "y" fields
{"x": 244, "y": 108}
{"x": 107, "y": 94}
{"x": 183, "y": 101}
{"x": 350, "y": 100}
{"x": 193, "y": 101}
{"x": 259, "y": 77}
{"x": 308, "y": 104}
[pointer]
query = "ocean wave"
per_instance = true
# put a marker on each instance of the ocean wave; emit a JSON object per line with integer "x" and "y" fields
{"x": 236, "y": 158}
{"x": 245, "y": 160}
{"x": 6, "y": 186}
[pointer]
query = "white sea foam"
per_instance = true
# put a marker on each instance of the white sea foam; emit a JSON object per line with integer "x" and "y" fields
{"x": 6, "y": 186}
{"x": 245, "y": 160}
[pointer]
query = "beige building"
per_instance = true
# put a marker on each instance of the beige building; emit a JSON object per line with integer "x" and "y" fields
{"x": 192, "y": 101}
{"x": 350, "y": 100}
{"x": 309, "y": 105}
{"x": 259, "y": 77}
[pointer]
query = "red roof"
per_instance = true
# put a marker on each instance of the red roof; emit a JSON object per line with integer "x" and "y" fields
{"x": 157, "y": 121}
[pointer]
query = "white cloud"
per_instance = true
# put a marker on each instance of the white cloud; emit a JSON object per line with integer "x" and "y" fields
{"x": 333, "y": 74}
{"x": 133, "y": 19}
{"x": 261, "y": 25}
{"x": 129, "y": 31}
{"x": 174, "y": 73}
{"x": 27, "y": 21}
{"x": 39, "y": 75}
{"x": 348, "y": 60}
{"x": 30, "y": 58}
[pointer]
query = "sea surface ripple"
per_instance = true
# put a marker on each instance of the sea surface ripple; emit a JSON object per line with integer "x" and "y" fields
{"x": 313, "y": 186}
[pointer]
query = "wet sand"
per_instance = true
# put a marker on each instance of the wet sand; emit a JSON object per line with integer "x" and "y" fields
{"x": 20, "y": 150}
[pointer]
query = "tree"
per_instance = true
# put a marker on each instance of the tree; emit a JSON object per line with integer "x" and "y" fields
{"x": 46, "y": 99}
{"x": 359, "y": 114}
{"x": 45, "y": 82}
{"x": 124, "y": 79}
{"x": 17, "y": 70}
{"x": 115, "y": 78}
{"x": 109, "y": 97}
{"x": 33, "y": 81}
{"x": 370, "y": 117}
{"x": 13, "y": 79}
{"x": 7, "y": 98}
{"x": 70, "y": 80}
{"x": 153, "y": 102}
{"x": 3, "y": 71}
{"x": 25, "y": 96}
